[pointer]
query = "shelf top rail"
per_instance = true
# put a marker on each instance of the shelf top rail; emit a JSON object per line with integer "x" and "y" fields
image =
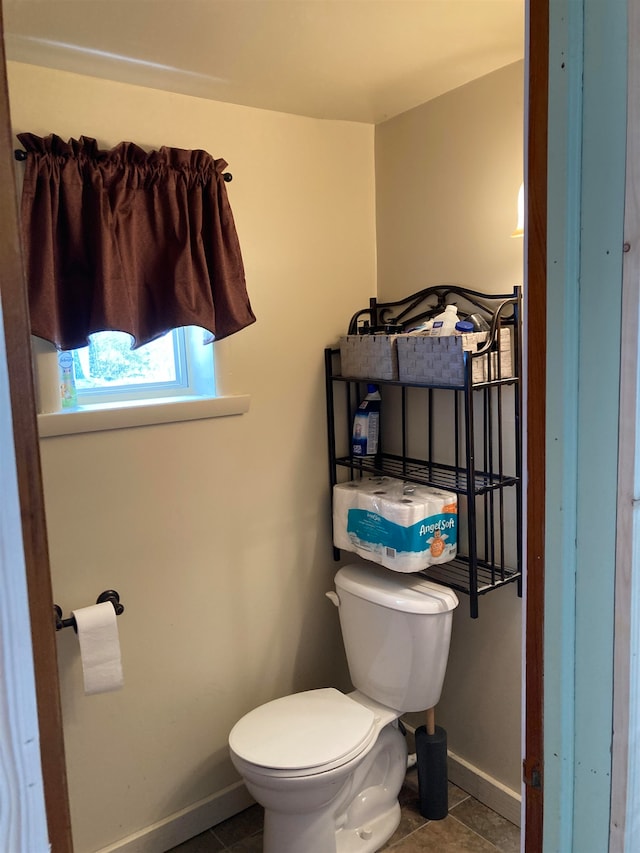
{"x": 404, "y": 314}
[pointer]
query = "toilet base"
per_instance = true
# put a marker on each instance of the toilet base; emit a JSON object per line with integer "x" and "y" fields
{"x": 358, "y": 817}
{"x": 294, "y": 833}
{"x": 369, "y": 838}
{"x": 321, "y": 837}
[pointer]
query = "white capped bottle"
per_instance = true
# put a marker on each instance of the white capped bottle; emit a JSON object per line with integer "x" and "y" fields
{"x": 445, "y": 323}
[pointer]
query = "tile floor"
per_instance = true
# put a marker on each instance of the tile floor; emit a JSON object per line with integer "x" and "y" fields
{"x": 469, "y": 828}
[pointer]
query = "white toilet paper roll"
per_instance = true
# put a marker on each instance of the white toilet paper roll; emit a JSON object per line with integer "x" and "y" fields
{"x": 405, "y": 512}
{"x": 345, "y": 497}
{"x": 442, "y": 544}
{"x": 99, "y": 648}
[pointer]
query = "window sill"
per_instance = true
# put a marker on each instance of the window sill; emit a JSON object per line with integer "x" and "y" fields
{"x": 107, "y": 416}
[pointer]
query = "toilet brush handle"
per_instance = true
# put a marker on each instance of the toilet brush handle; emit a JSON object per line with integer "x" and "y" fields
{"x": 431, "y": 721}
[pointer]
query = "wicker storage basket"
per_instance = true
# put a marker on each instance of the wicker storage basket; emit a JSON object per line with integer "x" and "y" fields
{"x": 440, "y": 360}
{"x": 369, "y": 356}
{"x": 505, "y": 364}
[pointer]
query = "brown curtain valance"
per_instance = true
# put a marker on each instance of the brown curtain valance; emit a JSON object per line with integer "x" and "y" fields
{"x": 128, "y": 240}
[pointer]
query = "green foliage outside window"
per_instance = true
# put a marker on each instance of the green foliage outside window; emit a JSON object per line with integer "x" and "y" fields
{"x": 109, "y": 360}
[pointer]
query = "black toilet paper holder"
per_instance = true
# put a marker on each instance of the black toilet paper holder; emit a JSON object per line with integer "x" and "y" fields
{"x": 108, "y": 595}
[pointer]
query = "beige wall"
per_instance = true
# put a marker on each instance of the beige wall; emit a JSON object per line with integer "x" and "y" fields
{"x": 215, "y": 532}
{"x": 447, "y": 179}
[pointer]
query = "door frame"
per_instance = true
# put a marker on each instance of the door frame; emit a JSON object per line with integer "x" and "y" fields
{"x": 587, "y": 119}
{"x": 30, "y": 480}
{"x": 30, "y": 492}
{"x": 535, "y": 277}
{"x": 625, "y": 776}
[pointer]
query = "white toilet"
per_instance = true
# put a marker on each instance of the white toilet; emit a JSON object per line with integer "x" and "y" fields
{"x": 326, "y": 766}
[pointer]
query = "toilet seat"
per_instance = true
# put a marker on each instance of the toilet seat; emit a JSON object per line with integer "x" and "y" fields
{"x": 304, "y": 734}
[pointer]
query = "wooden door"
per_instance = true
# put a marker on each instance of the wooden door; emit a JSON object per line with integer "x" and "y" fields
{"x": 27, "y": 455}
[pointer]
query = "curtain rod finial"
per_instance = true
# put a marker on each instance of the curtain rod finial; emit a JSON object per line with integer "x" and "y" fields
{"x": 227, "y": 177}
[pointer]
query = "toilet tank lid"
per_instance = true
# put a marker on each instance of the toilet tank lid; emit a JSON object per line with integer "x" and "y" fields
{"x": 397, "y": 591}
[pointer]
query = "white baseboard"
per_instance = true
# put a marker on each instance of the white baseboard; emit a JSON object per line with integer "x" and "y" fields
{"x": 197, "y": 818}
{"x": 185, "y": 824}
{"x": 487, "y": 790}
{"x": 496, "y": 796}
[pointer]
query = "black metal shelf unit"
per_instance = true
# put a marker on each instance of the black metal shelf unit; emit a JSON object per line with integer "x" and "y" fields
{"x": 465, "y": 439}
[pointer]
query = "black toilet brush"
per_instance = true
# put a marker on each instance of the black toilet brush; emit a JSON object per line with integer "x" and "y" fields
{"x": 431, "y": 758}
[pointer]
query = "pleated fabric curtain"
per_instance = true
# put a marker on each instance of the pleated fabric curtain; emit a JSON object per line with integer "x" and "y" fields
{"x": 128, "y": 240}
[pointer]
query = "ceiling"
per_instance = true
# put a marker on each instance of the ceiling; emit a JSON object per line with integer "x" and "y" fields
{"x": 356, "y": 60}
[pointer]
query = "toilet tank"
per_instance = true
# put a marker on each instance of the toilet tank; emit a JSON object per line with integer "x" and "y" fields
{"x": 396, "y": 629}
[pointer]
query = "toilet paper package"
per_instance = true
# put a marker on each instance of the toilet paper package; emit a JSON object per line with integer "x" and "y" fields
{"x": 402, "y": 526}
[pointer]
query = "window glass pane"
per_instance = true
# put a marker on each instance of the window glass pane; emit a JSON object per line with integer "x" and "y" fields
{"x": 110, "y": 362}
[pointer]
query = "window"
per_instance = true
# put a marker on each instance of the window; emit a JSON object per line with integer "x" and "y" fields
{"x": 170, "y": 380}
{"x": 178, "y": 364}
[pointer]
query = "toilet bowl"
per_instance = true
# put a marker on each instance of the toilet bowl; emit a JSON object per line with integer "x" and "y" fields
{"x": 327, "y": 766}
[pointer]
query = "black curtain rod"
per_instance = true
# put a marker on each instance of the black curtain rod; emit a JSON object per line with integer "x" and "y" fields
{"x": 19, "y": 154}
